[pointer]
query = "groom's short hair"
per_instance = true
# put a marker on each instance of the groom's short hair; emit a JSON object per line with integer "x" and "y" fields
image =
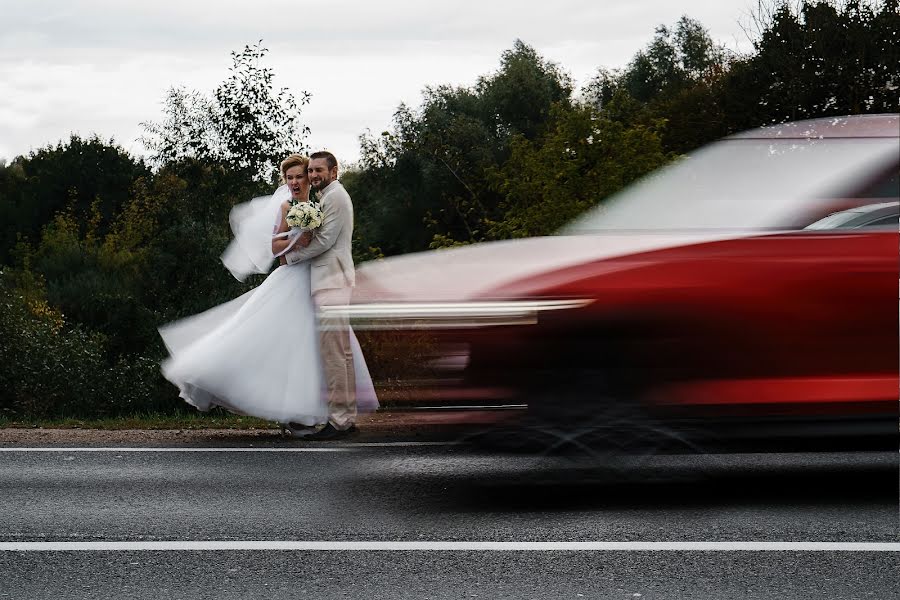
{"x": 328, "y": 156}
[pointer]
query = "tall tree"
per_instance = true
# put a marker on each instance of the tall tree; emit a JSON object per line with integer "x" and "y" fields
{"x": 582, "y": 158}
{"x": 823, "y": 58}
{"x": 423, "y": 184}
{"x": 76, "y": 175}
{"x": 246, "y": 125}
{"x": 675, "y": 78}
{"x": 677, "y": 58}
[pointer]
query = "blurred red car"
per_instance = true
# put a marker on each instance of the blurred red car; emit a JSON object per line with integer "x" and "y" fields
{"x": 694, "y": 305}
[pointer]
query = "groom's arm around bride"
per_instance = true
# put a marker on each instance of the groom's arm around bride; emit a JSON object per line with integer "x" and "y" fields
{"x": 332, "y": 277}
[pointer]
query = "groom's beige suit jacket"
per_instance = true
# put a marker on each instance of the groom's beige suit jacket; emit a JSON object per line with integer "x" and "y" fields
{"x": 329, "y": 252}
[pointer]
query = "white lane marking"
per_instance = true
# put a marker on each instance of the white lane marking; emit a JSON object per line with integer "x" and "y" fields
{"x": 464, "y": 408}
{"x": 452, "y": 546}
{"x": 401, "y": 444}
{"x": 334, "y": 448}
{"x": 113, "y": 449}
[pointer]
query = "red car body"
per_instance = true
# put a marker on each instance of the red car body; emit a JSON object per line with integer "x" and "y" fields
{"x": 708, "y": 310}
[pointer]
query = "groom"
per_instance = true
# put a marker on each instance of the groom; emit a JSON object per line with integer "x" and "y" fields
{"x": 332, "y": 277}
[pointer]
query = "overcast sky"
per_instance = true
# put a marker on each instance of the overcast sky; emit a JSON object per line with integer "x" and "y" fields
{"x": 103, "y": 66}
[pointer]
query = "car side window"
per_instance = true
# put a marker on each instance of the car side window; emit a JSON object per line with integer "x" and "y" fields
{"x": 888, "y": 221}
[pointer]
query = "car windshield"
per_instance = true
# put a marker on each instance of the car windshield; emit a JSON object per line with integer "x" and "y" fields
{"x": 743, "y": 183}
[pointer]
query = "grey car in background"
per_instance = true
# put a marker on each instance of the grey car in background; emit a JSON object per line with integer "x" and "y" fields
{"x": 885, "y": 214}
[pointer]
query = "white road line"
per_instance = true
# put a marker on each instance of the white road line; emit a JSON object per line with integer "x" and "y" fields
{"x": 330, "y": 448}
{"x": 191, "y": 546}
{"x": 464, "y": 408}
{"x": 112, "y": 449}
{"x": 400, "y": 444}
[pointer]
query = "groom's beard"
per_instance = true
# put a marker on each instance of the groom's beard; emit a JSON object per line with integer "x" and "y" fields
{"x": 321, "y": 185}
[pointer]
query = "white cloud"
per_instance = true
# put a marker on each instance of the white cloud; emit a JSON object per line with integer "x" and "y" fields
{"x": 104, "y": 66}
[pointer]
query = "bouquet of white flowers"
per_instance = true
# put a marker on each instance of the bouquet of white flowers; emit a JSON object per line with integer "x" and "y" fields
{"x": 305, "y": 215}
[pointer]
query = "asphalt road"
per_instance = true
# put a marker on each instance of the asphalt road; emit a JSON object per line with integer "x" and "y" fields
{"x": 442, "y": 493}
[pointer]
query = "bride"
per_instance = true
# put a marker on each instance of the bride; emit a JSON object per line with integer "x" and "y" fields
{"x": 258, "y": 354}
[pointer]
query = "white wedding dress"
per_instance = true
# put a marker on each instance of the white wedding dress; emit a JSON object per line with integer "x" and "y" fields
{"x": 258, "y": 354}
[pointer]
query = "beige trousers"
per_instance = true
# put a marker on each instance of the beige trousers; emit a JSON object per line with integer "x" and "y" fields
{"x": 337, "y": 360}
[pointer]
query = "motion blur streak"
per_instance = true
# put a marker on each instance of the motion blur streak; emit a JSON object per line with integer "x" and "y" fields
{"x": 746, "y": 293}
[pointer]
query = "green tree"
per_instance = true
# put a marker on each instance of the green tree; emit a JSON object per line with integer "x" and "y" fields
{"x": 821, "y": 59}
{"x": 676, "y": 78}
{"x": 677, "y": 58}
{"x": 179, "y": 219}
{"x": 581, "y": 159}
{"x": 519, "y": 97}
{"x": 423, "y": 183}
{"x": 81, "y": 176}
{"x": 246, "y": 125}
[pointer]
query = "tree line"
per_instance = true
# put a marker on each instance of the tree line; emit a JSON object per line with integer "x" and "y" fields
{"x": 99, "y": 247}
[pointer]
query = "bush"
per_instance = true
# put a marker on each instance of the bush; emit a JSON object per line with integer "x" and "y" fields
{"x": 51, "y": 370}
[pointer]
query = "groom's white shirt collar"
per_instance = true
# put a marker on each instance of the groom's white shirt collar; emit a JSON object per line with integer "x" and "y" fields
{"x": 329, "y": 188}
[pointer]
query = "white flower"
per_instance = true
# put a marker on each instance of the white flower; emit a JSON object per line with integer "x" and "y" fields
{"x": 306, "y": 215}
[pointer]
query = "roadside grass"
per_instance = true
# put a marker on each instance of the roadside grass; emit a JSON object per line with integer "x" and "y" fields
{"x": 391, "y": 395}
{"x": 188, "y": 420}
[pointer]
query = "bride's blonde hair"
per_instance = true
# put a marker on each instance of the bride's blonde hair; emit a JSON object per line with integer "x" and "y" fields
{"x": 293, "y": 160}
